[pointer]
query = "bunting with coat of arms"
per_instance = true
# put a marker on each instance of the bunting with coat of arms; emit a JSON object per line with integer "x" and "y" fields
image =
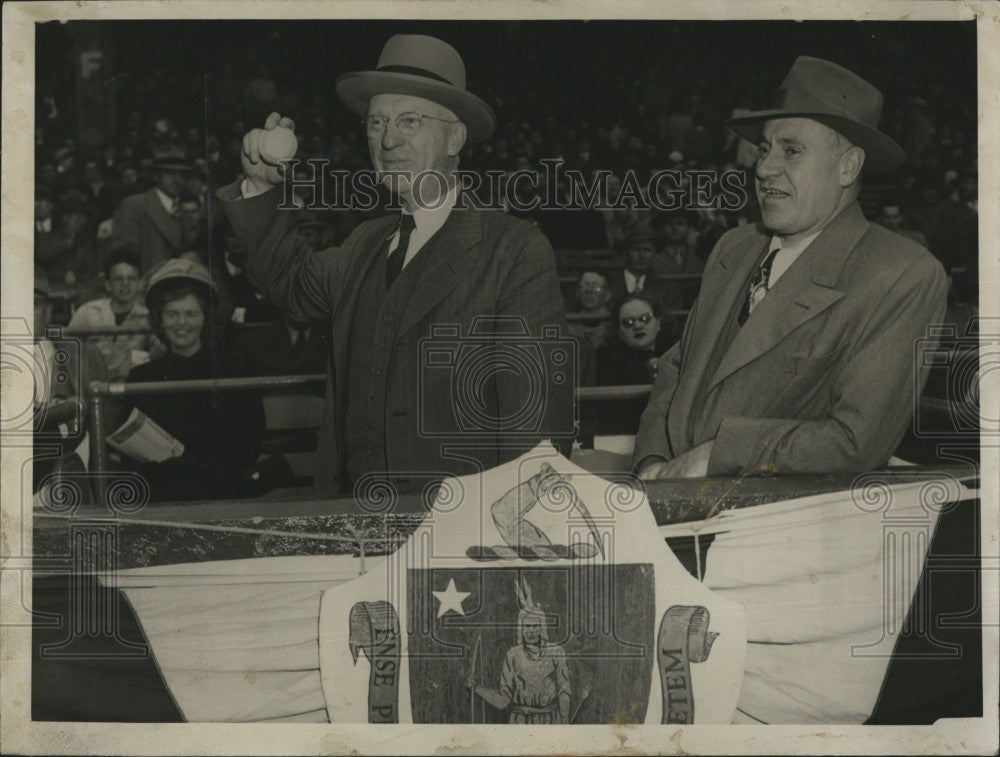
{"x": 535, "y": 593}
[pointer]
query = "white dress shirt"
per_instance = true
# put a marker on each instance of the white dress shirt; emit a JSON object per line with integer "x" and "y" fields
{"x": 427, "y": 221}
{"x": 633, "y": 282}
{"x": 166, "y": 201}
{"x": 787, "y": 255}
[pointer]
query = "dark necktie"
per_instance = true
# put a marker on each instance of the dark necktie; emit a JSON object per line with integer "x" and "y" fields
{"x": 299, "y": 342}
{"x": 758, "y": 286}
{"x": 394, "y": 265}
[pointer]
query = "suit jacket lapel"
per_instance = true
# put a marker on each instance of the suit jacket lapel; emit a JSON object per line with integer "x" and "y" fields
{"x": 714, "y": 305}
{"x": 364, "y": 252}
{"x": 803, "y": 292}
{"x": 444, "y": 259}
{"x": 717, "y": 303}
{"x": 161, "y": 219}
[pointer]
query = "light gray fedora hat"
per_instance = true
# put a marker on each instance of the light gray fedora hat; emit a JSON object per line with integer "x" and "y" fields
{"x": 414, "y": 64}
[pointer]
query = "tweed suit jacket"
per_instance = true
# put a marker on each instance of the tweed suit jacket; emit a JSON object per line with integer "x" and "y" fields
{"x": 822, "y": 377}
{"x": 480, "y": 263}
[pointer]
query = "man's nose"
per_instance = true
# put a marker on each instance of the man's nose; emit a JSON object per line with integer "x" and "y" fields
{"x": 769, "y": 165}
{"x": 391, "y": 136}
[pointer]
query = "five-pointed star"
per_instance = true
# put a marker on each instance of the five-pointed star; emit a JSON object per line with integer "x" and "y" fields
{"x": 451, "y": 599}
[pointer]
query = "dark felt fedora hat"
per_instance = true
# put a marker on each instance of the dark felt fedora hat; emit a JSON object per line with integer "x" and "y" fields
{"x": 414, "y": 64}
{"x": 835, "y": 97}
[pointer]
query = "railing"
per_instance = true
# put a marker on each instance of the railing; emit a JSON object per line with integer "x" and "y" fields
{"x": 106, "y": 331}
{"x": 590, "y": 318}
{"x": 671, "y": 277}
{"x": 124, "y": 330}
{"x": 100, "y": 391}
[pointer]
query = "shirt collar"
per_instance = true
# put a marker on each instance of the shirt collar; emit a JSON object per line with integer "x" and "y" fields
{"x": 632, "y": 280}
{"x": 777, "y": 243}
{"x": 429, "y": 220}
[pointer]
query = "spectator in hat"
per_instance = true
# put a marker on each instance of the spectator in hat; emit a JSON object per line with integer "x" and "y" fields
{"x": 125, "y": 184}
{"x": 593, "y": 305}
{"x": 49, "y": 245}
{"x": 221, "y": 430}
{"x": 637, "y": 276}
{"x": 679, "y": 256}
{"x": 99, "y": 193}
{"x": 124, "y": 307}
{"x": 44, "y": 206}
{"x": 891, "y": 216}
{"x": 398, "y": 277}
{"x": 953, "y": 233}
{"x": 593, "y": 300}
{"x": 798, "y": 355}
{"x": 193, "y": 224}
{"x": 150, "y": 221}
{"x": 68, "y": 253}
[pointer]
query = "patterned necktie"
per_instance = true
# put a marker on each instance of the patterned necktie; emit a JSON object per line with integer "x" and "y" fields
{"x": 758, "y": 286}
{"x": 394, "y": 265}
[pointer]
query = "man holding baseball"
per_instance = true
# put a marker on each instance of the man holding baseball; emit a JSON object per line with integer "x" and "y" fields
{"x": 401, "y": 281}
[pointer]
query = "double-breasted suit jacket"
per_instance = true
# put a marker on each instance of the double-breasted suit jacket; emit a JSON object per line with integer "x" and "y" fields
{"x": 822, "y": 377}
{"x": 479, "y": 263}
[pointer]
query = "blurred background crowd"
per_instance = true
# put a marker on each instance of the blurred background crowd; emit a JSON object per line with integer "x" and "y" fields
{"x": 138, "y": 123}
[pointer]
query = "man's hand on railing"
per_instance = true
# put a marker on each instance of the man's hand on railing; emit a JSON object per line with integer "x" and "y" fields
{"x": 692, "y": 464}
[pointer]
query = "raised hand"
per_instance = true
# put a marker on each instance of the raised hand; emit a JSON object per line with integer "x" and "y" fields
{"x": 264, "y": 149}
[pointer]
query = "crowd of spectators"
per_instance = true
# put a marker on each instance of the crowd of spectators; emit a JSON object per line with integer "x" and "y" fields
{"x": 107, "y": 215}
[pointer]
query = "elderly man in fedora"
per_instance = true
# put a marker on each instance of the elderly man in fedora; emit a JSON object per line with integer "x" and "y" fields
{"x": 408, "y": 280}
{"x": 798, "y": 356}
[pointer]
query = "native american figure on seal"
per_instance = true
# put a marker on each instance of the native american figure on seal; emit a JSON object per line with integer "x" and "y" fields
{"x": 534, "y": 681}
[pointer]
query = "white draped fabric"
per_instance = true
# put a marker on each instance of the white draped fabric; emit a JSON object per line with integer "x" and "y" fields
{"x": 826, "y": 582}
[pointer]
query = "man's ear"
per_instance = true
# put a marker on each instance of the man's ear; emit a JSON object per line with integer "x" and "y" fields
{"x": 850, "y": 165}
{"x": 457, "y": 135}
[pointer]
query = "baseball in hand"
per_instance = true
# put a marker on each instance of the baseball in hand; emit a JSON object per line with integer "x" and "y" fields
{"x": 278, "y": 144}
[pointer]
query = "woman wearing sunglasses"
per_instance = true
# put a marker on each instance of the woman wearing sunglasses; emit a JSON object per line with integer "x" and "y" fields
{"x": 629, "y": 357}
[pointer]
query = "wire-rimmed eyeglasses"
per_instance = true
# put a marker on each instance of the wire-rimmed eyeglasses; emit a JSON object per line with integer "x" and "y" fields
{"x": 408, "y": 124}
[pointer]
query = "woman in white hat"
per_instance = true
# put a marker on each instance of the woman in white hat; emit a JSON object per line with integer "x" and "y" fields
{"x": 221, "y": 430}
